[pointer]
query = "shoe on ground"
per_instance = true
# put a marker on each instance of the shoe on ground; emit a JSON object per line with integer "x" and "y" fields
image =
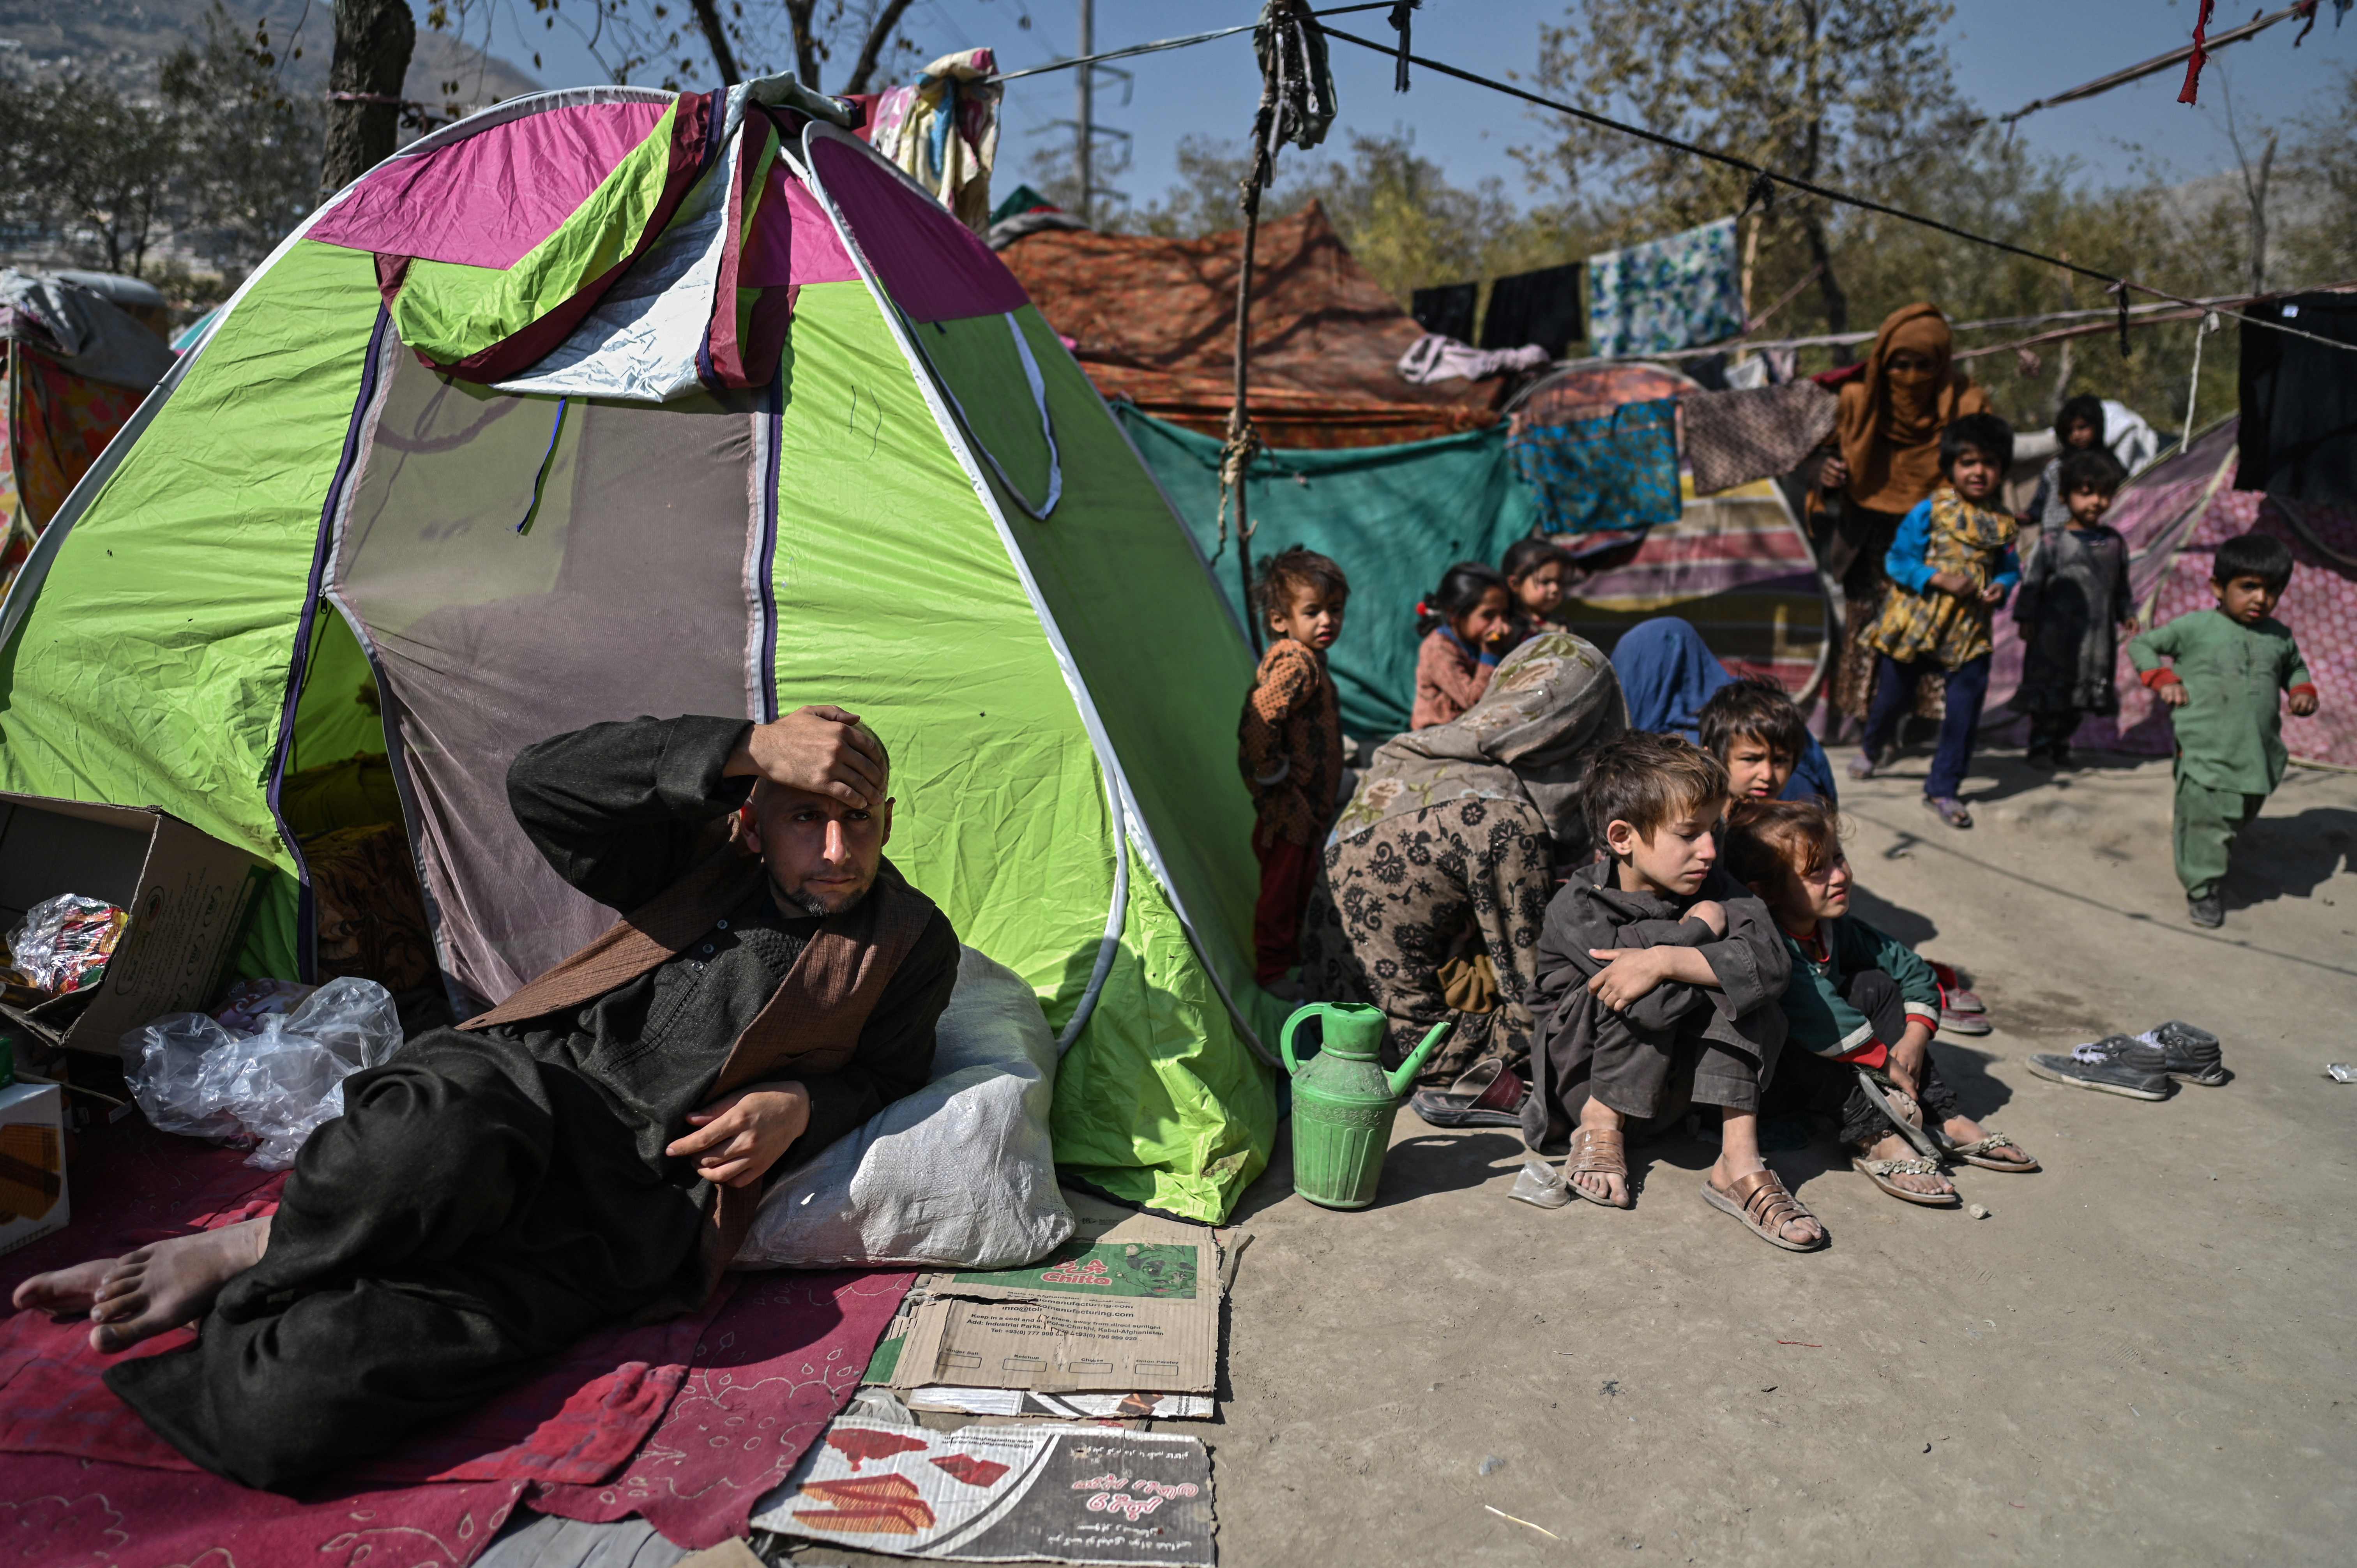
{"x": 1862, "y": 764}
{"x": 2208, "y": 911}
{"x": 2059, "y": 758}
{"x": 2118, "y": 1064}
{"x": 1485, "y": 1095}
{"x": 2188, "y": 1054}
{"x": 2039, "y": 757}
{"x": 1954, "y": 1022}
{"x": 1948, "y": 810}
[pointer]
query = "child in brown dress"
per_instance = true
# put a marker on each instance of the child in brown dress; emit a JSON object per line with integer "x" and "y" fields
{"x": 1289, "y": 745}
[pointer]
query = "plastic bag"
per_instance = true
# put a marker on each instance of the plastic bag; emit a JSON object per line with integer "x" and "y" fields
{"x": 273, "y": 1086}
{"x": 65, "y": 943}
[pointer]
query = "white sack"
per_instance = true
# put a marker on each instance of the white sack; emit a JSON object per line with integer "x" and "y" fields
{"x": 961, "y": 1174}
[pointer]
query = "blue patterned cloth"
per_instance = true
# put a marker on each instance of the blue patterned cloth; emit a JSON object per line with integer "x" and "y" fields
{"x": 1617, "y": 472}
{"x": 1665, "y": 294}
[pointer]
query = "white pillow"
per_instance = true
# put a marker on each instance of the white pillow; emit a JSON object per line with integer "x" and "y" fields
{"x": 961, "y": 1174}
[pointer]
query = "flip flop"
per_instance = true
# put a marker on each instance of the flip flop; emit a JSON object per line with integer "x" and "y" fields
{"x": 1762, "y": 1203}
{"x": 1911, "y": 1130}
{"x": 1879, "y": 1173}
{"x": 1976, "y": 1153}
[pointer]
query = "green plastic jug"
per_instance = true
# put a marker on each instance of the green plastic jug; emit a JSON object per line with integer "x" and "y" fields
{"x": 1343, "y": 1102}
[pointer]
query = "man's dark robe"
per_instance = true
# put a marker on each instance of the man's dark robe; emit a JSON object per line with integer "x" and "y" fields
{"x": 490, "y": 1194}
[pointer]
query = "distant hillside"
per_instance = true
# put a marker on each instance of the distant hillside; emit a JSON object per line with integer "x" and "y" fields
{"x": 123, "y": 40}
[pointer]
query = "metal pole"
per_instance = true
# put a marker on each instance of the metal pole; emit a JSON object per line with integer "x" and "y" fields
{"x": 1084, "y": 83}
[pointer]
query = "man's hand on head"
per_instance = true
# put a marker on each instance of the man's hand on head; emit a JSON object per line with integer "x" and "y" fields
{"x": 820, "y": 749}
{"x": 740, "y": 1136}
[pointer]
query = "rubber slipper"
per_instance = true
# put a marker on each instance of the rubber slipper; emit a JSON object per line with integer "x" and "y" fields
{"x": 1976, "y": 1153}
{"x": 1485, "y": 1095}
{"x": 1879, "y": 1173}
{"x": 1764, "y": 1205}
{"x": 1913, "y": 1130}
{"x": 1598, "y": 1151}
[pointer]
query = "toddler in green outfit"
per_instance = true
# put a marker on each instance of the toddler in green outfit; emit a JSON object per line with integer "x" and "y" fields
{"x": 2228, "y": 666}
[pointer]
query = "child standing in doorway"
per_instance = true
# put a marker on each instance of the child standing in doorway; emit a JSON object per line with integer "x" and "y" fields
{"x": 2234, "y": 668}
{"x": 1468, "y": 626}
{"x": 1289, "y": 745}
{"x": 1540, "y": 575}
{"x": 2073, "y": 607}
{"x": 1951, "y": 565}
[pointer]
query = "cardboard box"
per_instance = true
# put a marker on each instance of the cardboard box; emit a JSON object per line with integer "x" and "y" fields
{"x": 32, "y": 1164}
{"x": 1126, "y": 1305}
{"x": 186, "y": 895}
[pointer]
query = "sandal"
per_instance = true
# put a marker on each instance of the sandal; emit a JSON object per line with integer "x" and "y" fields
{"x": 1599, "y": 1151}
{"x": 1906, "y": 1117}
{"x": 1981, "y": 1152}
{"x": 1761, "y": 1202}
{"x": 1879, "y": 1173}
{"x": 1485, "y": 1095}
{"x": 1948, "y": 810}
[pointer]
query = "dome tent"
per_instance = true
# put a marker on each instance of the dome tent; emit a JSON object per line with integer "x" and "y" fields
{"x": 609, "y": 402}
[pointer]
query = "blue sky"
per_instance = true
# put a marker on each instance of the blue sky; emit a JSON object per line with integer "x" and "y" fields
{"x": 2007, "y": 53}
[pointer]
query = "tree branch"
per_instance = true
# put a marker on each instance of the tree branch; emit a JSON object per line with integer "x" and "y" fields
{"x": 879, "y": 38}
{"x": 806, "y": 52}
{"x": 716, "y": 37}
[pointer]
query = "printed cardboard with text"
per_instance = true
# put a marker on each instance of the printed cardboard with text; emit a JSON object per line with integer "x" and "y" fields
{"x": 1126, "y": 1306}
{"x": 1002, "y": 1494}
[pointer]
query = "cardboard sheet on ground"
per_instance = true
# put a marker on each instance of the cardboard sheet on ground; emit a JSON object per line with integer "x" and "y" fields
{"x": 1002, "y": 1494}
{"x": 1063, "y": 1407}
{"x": 1126, "y": 1305}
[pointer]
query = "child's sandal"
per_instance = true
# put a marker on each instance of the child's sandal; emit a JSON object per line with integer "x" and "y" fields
{"x": 1879, "y": 1173}
{"x": 1765, "y": 1206}
{"x": 1599, "y": 1151}
{"x": 1983, "y": 1152}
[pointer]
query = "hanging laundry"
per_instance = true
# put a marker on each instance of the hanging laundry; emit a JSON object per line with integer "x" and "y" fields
{"x": 1618, "y": 471}
{"x": 1435, "y": 357}
{"x": 1666, "y": 294}
{"x": 1448, "y": 310}
{"x": 2300, "y": 400}
{"x": 944, "y": 131}
{"x": 1541, "y": 307}
{"x": 1763, "y": 433}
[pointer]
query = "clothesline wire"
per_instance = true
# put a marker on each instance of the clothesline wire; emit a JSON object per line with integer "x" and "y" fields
{"x": 2160, "y": 314}
{"x": 2112, "y": 281}
{"x": 1158, "y": 45}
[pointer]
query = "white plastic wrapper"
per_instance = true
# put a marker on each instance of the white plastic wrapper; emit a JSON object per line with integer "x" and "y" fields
{"x": 194, "y": 1076}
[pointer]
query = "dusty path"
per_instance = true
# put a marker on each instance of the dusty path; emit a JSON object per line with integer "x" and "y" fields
{"x": 2146, "y": 1355}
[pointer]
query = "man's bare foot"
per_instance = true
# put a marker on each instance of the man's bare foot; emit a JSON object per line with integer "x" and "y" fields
{"x": 1891, "y": 1146}
{"x": 1597, "y": 1167}
{"x": 1802, "y": 1229}
{"x": 160, "y": 1287}
{"x": 64, "y": 1292}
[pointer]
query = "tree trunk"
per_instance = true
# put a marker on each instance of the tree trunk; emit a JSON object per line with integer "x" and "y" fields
{"x": 1813, "y": 225}
{"x": 1829, "y": 288}
{"x": 879, "y": 38}
{"x": 373, "y": 40}
{"x": 716, "y": 39}
{"x": 2256, "y": 187}
{"x": 798, "y": 17}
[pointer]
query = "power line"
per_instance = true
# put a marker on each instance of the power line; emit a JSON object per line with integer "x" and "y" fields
{"x": 2115, "y": 284}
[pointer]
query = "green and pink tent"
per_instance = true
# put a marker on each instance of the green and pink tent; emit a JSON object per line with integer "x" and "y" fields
{"x": 614, "y": 402}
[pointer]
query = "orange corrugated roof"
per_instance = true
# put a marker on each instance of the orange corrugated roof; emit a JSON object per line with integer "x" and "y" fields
{"x": 1154, "y": 320}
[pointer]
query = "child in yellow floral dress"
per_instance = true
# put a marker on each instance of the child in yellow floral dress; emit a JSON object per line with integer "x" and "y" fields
{"x": 1951, "y": 566}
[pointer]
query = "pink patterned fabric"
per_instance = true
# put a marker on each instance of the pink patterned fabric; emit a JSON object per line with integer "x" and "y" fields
{"x": 774, "y": 1368}
{"x": 934, "y": 267}
{"x": 487, "y": 200}
{"x": 2162, "y": 513}
{"x": 686, "y": 1422}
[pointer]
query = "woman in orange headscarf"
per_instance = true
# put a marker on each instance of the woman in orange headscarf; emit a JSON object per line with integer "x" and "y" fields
{"x": 1887, "y": 458}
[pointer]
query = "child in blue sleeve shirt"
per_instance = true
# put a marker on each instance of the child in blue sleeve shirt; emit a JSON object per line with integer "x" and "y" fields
{"x": 1950, "y": 567}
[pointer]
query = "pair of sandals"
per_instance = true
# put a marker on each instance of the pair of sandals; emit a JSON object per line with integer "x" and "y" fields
{"x": 1932, "y": 1146}
{"x": 1759, "y": 1201}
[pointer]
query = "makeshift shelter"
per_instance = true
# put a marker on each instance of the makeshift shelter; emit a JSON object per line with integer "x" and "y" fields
{"x": 1153, "y": 321}
{"x": 1738, "y": 563}
{"x": 77, "y": 350}
{"x": 613, "y": 401}
{"x": 1396, "y": 518}
{"x": 2174, "y": 515}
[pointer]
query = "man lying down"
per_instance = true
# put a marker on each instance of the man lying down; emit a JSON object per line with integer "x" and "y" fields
{"x": 589, "y": 1150}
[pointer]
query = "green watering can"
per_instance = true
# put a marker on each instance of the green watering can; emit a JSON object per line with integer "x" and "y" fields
{"x": 1343, "y": 1101}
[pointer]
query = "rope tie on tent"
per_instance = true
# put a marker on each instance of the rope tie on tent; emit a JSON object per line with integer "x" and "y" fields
{"x": 547, "y": 462}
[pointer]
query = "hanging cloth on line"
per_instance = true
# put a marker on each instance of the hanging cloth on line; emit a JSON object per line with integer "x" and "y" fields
{"x": 1541, "y": 307}
{"x": 1618, "y": 471}
{"x": 1734, "y": 437}
{"x": 1680, "y": 292}
{"x": 1445, "y": 311}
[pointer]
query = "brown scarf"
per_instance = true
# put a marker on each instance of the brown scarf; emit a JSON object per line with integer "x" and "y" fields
{"x": 1890, "y": 424}
{"x": 811, "y": 1024}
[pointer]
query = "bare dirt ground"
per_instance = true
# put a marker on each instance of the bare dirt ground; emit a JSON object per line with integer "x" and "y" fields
{"x": 2144, "y": 1355}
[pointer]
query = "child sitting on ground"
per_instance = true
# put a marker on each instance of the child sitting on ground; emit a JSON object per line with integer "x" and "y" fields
{"x": 2230, "y": 663}
{"x": 1540, "y": 575}
{"x": 2078, "y": 427}
{"x": 1950, "y": 567}
{"x": 1289, "y": 745}
{"x": 1763, "y": 741}
{"x": 1468, "y": 626}
{"x": 1654, "y": 963}
{"x": 1861, "y": 1008}
{"x": 2074, "y": 594}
